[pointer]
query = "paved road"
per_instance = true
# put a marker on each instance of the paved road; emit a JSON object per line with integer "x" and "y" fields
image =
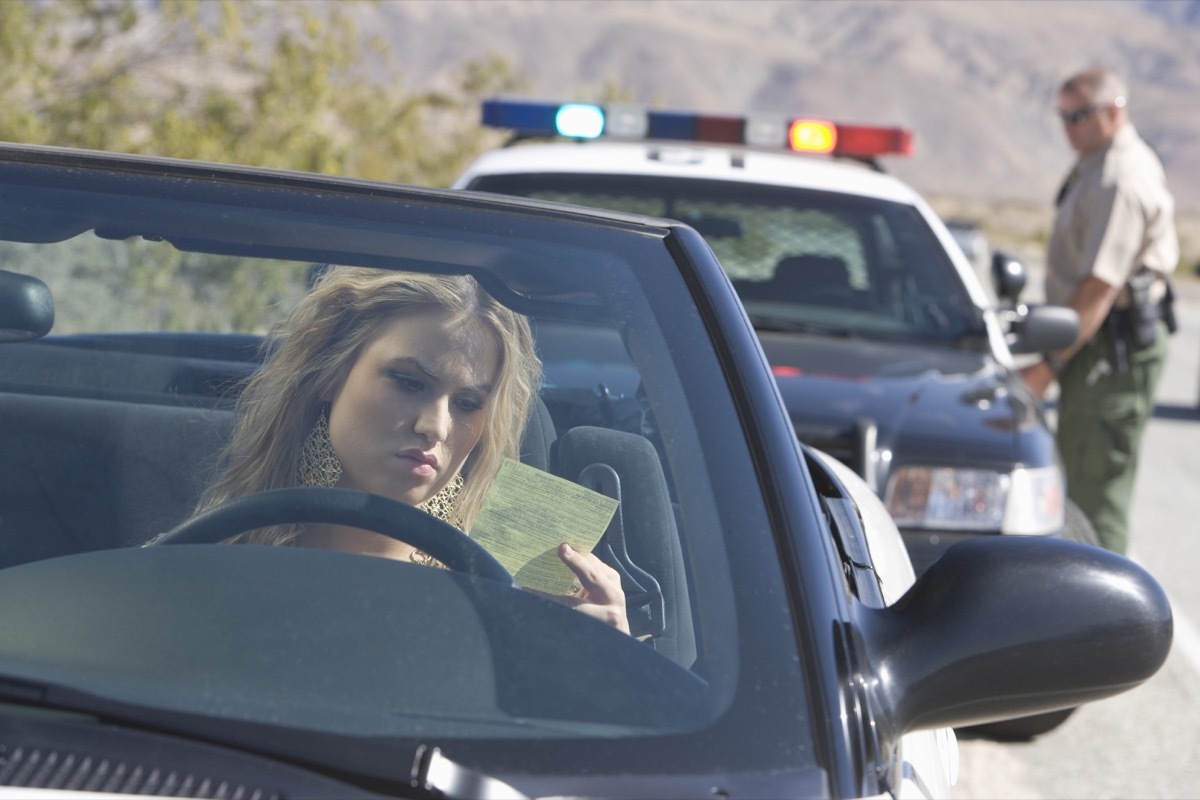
{"x": 1144, "y": 743}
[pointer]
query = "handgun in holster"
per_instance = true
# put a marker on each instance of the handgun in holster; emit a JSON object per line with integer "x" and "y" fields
{"x": 1166, "y": 308}
{"x": 1116, "y": 326}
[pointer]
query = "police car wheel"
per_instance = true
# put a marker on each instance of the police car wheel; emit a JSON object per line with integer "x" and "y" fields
{"x": 1021, "y": 729}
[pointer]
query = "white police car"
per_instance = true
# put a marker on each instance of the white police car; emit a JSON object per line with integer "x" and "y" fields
{"x": 882, "y": 338}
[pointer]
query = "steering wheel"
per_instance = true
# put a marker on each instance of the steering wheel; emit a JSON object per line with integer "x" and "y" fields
{"x": 348, "y": 507}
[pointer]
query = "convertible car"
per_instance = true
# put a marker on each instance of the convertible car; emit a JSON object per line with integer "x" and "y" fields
{"x": 779, "y": 644}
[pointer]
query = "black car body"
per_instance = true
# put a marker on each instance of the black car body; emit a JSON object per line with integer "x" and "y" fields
{"x": 795, "y": 654}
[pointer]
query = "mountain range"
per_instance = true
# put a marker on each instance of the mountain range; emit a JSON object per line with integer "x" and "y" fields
{"x": 975, "y": 80}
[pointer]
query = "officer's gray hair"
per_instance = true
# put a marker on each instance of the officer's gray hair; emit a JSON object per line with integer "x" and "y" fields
{"x": 1099, "y": 85}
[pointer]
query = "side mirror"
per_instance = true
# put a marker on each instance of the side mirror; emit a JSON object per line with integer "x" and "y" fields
{"x": 26, "y": 307}
{"x": 1036, "y": 329}
{"x": 1008, "y": 276}
{"x": 1009, "y": 626}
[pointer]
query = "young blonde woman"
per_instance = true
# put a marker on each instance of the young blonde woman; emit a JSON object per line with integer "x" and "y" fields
{"x": 411, "y": 386}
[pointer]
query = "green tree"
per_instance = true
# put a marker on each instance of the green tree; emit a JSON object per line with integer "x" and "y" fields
{"x": 274, "y": 84}
{"x": 258, "y": 82}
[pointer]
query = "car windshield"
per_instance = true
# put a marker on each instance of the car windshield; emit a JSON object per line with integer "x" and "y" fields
{"x": 801, "y": 260}
{"x": 168, "y": 287}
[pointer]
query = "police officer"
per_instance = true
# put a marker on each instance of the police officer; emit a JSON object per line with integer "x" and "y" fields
{"x": 1111, "y": 251}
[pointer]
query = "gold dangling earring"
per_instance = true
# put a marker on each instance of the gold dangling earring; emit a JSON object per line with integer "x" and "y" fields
{"x": 442, "y": 504}
{"x": 319, "y": 464}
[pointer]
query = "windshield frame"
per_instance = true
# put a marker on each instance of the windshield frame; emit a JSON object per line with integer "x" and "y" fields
{"x": 762, "y": 729}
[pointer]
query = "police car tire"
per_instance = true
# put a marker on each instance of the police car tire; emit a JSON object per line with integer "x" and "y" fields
{"x": 1077, "y": 527}
{"x": 1021, "y": 729}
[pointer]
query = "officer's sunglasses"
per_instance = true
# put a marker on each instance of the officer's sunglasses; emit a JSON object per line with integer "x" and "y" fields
{"x": 1078, "y": 116}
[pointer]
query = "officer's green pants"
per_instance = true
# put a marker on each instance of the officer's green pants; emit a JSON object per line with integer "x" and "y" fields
{"x": 1102, "y": 413}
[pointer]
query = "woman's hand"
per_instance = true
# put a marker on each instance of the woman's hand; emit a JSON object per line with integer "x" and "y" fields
{"x": 601, "y": 595}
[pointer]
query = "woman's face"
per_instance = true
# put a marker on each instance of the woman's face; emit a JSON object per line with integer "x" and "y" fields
{"x": 413, "y": 406}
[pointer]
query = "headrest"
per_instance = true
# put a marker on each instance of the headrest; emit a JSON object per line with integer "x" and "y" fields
{"x": 811, "y": 271}
{"x": 538, "y": 437}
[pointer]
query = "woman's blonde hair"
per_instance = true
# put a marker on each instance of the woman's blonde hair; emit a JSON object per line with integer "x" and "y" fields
{"x": 310, "y": 353}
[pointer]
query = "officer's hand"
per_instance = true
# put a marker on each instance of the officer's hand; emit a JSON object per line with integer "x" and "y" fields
{"x": 1038, "y": 378}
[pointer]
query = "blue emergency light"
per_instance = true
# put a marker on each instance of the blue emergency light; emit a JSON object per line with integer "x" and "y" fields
{"x": 579, "y": 121}
{"x": 617, "y": 121}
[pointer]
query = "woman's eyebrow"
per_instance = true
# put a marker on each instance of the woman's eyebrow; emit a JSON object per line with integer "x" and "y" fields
{"x": 415, "y": 363}
{"x": 432, "y": 374}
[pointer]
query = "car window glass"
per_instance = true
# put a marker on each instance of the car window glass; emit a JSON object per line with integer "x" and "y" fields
{"x": 797, "y": 257}
{"x": 123, "y": 408}
{"x": 765, "y": 234}
{"x": 157, "y": 287}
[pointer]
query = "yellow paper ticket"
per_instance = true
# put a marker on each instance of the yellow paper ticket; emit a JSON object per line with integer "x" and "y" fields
{"x": 528, "y": 513}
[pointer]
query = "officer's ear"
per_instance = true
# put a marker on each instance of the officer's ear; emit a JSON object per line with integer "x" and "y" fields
{"x": 1115, "y": 111}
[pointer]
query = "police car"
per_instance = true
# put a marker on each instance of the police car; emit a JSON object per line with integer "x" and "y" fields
{"x": 884, "y": 343}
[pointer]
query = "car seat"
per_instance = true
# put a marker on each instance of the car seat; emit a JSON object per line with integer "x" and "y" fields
{"x": 642, "y": 541}
{"x": 807, "y": 276}
{"x": 538, "y": 437}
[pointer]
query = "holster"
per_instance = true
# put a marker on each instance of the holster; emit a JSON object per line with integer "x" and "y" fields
{"x": 1167, "y": 308}
{"x": 1116, "y": 328}
{"x": 1143, "y": 314}
{"x": 1136, "y": 326}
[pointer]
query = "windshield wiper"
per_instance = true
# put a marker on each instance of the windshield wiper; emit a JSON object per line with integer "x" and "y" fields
{"x": 762, "y": 322}
{"x": 433, "y": 776}
{"x": 440, "y": 777}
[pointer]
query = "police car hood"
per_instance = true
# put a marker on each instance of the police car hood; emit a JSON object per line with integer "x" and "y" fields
{"x": 940, "y": 405}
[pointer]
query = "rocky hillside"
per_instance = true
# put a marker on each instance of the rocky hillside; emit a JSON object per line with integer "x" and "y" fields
{"x": 975, "y": 79}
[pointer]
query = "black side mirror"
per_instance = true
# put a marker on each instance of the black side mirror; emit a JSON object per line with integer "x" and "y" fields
{"x": 1008, "y": 276}
{"x": 1038, "y": 329}
{"x": 1001, "y": 627}
{"x": 26, "y": 307}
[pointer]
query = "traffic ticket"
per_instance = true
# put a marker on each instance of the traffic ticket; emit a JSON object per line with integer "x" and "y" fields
{"x": 528, "y": 513}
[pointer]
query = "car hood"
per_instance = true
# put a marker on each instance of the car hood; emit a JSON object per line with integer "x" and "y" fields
{"x": 934, "y": 405}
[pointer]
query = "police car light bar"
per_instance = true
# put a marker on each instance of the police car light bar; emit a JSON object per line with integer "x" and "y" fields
{"x": 588, "y": 121}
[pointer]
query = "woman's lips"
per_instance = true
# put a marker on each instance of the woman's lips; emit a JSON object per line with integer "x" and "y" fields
{"x": 420, "y": 463}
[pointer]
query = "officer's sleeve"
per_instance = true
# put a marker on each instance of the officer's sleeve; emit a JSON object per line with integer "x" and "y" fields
{"x": 1114, "y": 234}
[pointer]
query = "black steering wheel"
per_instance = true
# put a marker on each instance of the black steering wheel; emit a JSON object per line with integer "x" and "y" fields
{"x": 348, "y": 507}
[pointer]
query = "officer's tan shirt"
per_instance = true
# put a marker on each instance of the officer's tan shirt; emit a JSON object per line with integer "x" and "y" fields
{"x": 1116, "y": 215}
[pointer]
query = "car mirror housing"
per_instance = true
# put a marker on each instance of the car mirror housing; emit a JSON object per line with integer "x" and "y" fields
{"x": 1038, "y": 329}
{"x": 1007, "y": 627}
{"x": 26, "y": 307}
{"x": 1008, "y": 276}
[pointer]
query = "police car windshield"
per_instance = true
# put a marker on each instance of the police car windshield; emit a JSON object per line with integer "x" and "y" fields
{"x": 820, "y": 260}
